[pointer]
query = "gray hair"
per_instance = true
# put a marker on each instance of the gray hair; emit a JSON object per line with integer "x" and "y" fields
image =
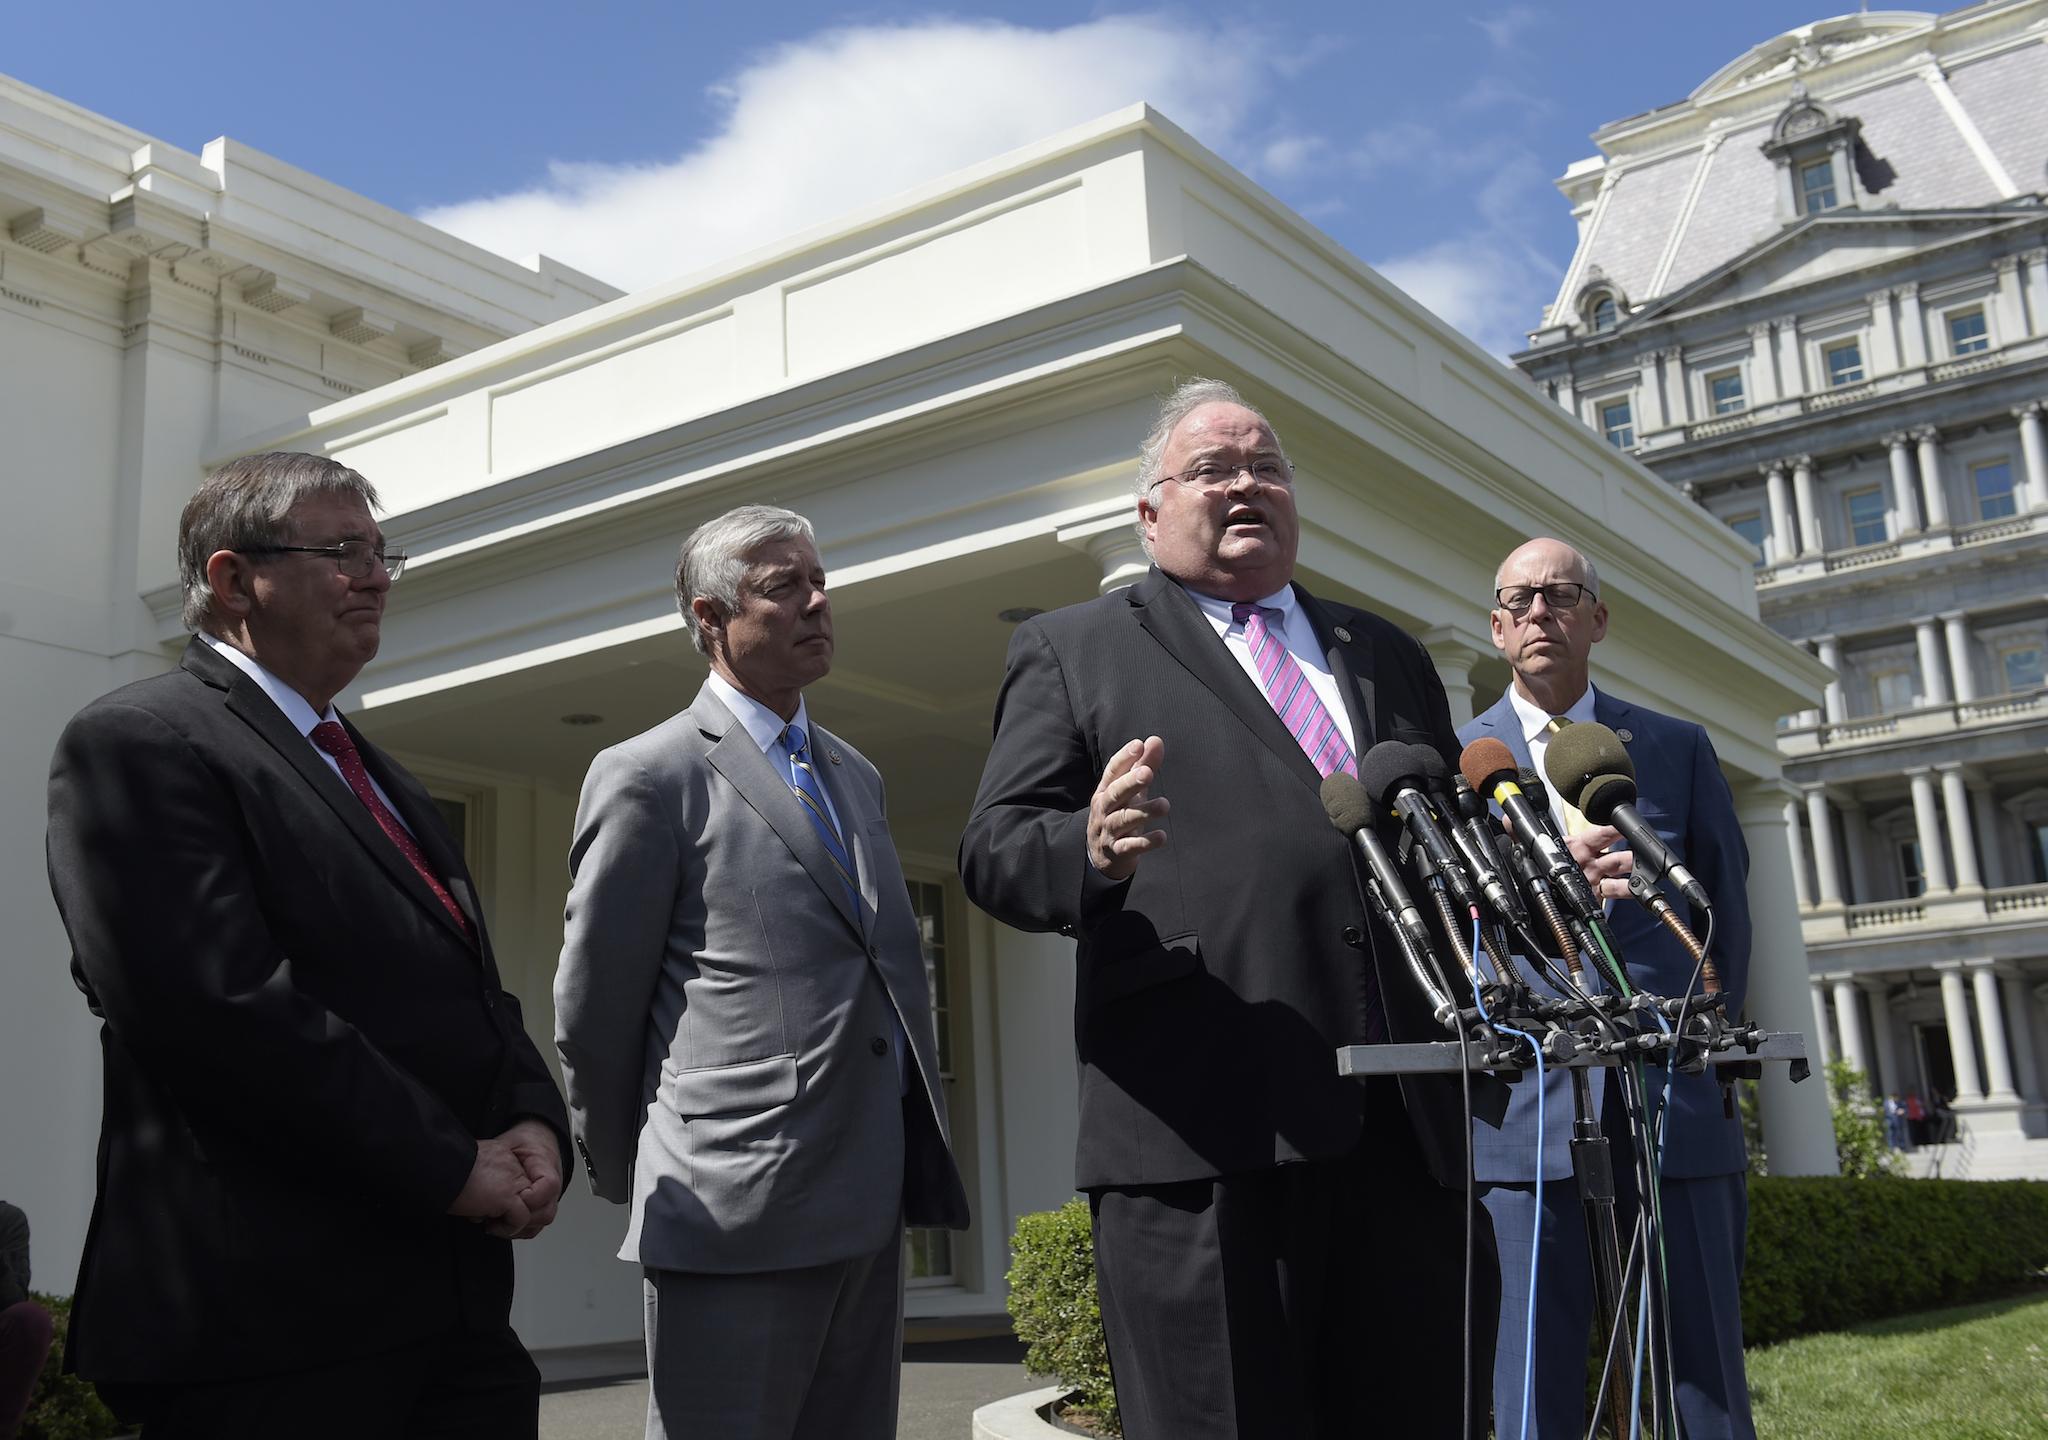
{"x": 247, "y": 504}
{"x": 1589, "y": 574}
{"x": 714, "y": 559}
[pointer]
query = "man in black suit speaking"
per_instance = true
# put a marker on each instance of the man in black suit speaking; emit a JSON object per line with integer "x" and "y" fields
{"x": 1275, "y": 1248}
{"x": 323, "y": 1118}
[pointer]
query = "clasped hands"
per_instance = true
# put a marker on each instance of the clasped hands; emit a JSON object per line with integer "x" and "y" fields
{"x": 1124, "y": 824}
{"x": 516, "y": 1183}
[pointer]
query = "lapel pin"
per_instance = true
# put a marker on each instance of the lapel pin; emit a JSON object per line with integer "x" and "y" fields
{"x": 832, "y": 755}
{"x": 1343, "y": 634}
{"x": 1623, "y": 736}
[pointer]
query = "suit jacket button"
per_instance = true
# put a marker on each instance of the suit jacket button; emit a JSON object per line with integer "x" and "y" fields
{"x": 879, "y": 1045}
{"x": 1353, "y": 936}
{"x": 874, "y": 952}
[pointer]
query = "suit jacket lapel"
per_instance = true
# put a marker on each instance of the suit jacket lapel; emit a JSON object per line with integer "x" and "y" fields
{"x": 748, "y": 770}
{"x": 417, "y": 809}
{"x": 1354, "y": 663}
{"x": 1180, "y": 627}
{"x": 1506, "y": 726}
{"x": 854, "y": 816}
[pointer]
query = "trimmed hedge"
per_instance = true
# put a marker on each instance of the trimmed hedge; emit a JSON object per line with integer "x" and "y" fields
{"x": 64, "y": 1407}
{"x": 1826, "y": 1253}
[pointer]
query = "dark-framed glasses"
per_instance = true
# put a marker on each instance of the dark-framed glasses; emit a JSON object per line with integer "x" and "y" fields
{"x": 1211, "y": 476}
{"x": 353, "y": 558}
{"x": 1516, "y": 599}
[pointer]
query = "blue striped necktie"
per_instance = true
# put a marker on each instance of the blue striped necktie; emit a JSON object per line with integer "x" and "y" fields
{"x": 804, "y": 781}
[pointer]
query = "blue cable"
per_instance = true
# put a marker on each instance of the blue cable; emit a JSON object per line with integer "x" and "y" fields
{"x": 1536, "y": 1230}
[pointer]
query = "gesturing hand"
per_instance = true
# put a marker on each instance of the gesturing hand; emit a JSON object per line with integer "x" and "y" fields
{"x": 1122, "y": 818}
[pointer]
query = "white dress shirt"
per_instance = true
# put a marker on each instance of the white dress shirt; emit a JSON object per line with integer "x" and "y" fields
{"x": 1297, "y": 633}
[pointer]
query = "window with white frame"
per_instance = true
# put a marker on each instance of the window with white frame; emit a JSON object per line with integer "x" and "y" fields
{"x": 1724, "y": 392}
{"x": 1866, "y": 516}
{"x": 1912, "y": 874}
{"x": 1605, "y": 314}
{"x": 2021, "y": 665}
{"x": 1817, "y": 186}
{"x": 1991, "y": 483}
{"x": 1617, "y": 423}
{"x": 1894, "y": 689}
{"x": 1966, "y": 332}
{"x": 1843, "y": 362}
{"x": 1750, "y": 526}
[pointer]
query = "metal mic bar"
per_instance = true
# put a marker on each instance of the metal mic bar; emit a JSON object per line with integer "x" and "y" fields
{"x": 1444, "y": 1057}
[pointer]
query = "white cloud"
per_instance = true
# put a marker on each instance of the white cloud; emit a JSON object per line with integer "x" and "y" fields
{"x": 815, "y": 128}
{"x": 1504, "y": 27}
{"x": 1486, "y": 286}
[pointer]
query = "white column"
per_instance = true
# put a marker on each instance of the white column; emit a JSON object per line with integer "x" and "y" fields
{"x": 1791, "y": 372}
{"x": 1933, "y": 485}
{"x": 1847, "y": 1023}
{"x": 1886, "y": 1048}
{"x": 1763, "y": 372}
{"x": 1956, "y": 626}
{"x": 1830, "y": 651}
{"x": 1826, "y": 874}
{"x": 1991, "y": 1020}
{"x": 2012, "y": 309}
{"x": 1855, "y": 841}
{"x": 1955, "y": 1008}
{"x": 1933, "y": 664}
{"x": 1567, "y": 394}
{"x": 1927, "y": 826}
{"x": 1912, "y": 334}
{"x": 1784, "y": 541}
{"x": 1674, "y": 366}
{"x": 1884, "y": 334}
{"x": 1454, "y": 656}
{"x": 1796, "y": 1123}
{"x": 1991, "y": 853}
{"x": 2034, "y": 449}
{"x": 2025, "y": 1063}
{"x": 2037, "y": 290}
{"x": 1652, "y": 417}
{"x": 1955, "y": 800}
{"x": 1115, "y": 547}
{"x": 1795, "y": 845}
{"x": 1905, "y": 495}
{"x": 1810, "y": 541}
{"x": 1822, "y": 1050}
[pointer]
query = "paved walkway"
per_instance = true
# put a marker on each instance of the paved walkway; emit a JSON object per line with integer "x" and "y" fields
{"x": 944, "y": 1381}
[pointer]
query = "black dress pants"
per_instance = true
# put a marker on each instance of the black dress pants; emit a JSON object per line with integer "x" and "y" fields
{"x": 1322, "y": 1298}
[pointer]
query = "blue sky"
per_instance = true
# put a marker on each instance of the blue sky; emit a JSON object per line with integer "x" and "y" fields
{"x": 640, "y": 141}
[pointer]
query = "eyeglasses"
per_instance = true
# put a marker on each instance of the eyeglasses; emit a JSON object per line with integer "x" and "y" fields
{"x": 1213, "y": 476}
{"x": 1516, "y": 599}
{"x": 353, "y": 558}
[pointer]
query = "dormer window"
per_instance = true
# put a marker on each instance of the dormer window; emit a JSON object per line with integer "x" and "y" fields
{"x": 1816, "y": 186}
{"x": 1606, "y": 314}
{"x": 1821, "y": 159}
{"x": 1600, "y": 304}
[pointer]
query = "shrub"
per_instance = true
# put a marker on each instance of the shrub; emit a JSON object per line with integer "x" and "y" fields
{"x": 1827, "y": 1252}
{"x": 64, "y": 1407}
{"x": 1860, "y": 1144}
{"x": 1054, "y": 1306}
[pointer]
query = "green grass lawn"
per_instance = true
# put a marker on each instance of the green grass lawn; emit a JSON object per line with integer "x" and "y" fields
{"x": 1979, "y": 1372}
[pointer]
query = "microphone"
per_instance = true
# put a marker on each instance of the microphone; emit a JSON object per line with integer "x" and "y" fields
{"x": 1396, "y": 777}
{"x": 1489, "y": 767}
{"x": 1589, "y": 761}
{"x": 1350, "y": 809}
{"x": 1475, "y": 833}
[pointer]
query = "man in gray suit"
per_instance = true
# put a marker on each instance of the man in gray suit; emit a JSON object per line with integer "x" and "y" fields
{"x": 745, "y": 1032}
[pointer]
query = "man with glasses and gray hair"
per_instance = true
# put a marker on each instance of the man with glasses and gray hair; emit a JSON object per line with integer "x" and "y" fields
{"x": 1547, "y": 616}
{"x": 323, "y": 1119}
{"x": 744, "y": 1024}
{"x": 1276, "y": 1247}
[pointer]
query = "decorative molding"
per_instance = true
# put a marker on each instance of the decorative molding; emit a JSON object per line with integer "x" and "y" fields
{"x": 359, "y": 326}
{"x": 272, "y": 295}
{"x": 39, "y": 231}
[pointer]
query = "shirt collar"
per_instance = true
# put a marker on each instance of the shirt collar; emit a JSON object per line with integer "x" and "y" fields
{"x": 763, "y": 724}
{"x": 1533, "y": 718}
{"x": 1219, "y": 610}
{"x": 291, "y": 702}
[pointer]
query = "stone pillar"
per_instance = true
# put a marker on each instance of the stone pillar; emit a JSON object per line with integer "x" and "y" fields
{"x": 1933, "y": 664}
{"x": 1933, "y": 484}
{"x": 1113, "y": 544}
{"x": 1884, "y": 334}
{"x": 1830, "y": 651}
{"x": 1927, "y": 826}
{"x": 1763, "y": 372}
{"x": 1991, "y": 1020}
{"x": 2037, "y": 290}
{"x": 1912, "y": 332}
{"x": 1826, "y": 873}
{"x": 1821, "y": 1052}
{"x": 1956, "y": 624}
{"x": 1454, "y": 653}
{"x": 1652, "y": 392}
{"x": 1955, "y": 1008}
{"x": 1856, "y": 842}
{"x": 1795, "y": 846}
{"x": 2034, "y": 450}
{"x": 1796, "y": 1123}
{"x": 1885, "y": 1047}
{"x": 1674, "y": 367}
{"x": 1567, "y": 394}
{"x": 1784, "y": 541}
{"x": 2025, "y": 1063}
{"x": 1791, "y": 369}
{"x": 1905, "y": 494}
{"x": 1848, "y": 1024}
{"x": 1991, "y": 850}
{"x": 2012, "y": 309}
{"x": 1810, "y": 541}
{"x": 1955, "y": 801}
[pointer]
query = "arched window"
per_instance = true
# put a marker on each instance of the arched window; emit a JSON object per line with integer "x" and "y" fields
{"x": 1605, "y": 314}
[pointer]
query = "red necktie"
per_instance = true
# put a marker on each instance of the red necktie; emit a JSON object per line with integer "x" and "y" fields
{"x": 329, "y": 736}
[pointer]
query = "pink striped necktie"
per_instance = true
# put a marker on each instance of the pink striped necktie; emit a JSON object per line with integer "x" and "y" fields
{"x": 1291, "y": 695}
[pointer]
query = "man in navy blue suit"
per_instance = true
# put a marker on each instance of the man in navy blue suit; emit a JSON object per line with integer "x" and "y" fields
{"x": 1546, "y": 619}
